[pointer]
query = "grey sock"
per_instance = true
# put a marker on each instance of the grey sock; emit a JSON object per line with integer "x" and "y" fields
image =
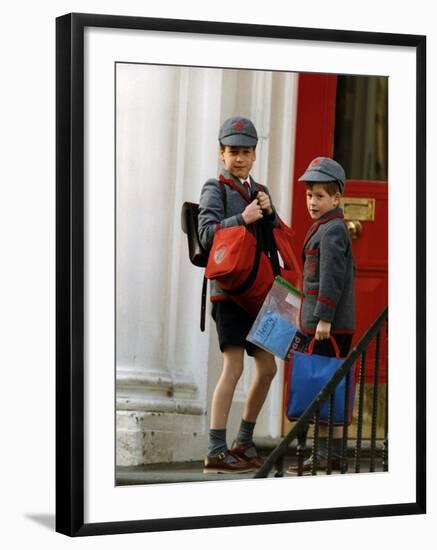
{"x": 245, "y": 432}
{"x": 336, "y": 447}
{"x": 217, "y": 442}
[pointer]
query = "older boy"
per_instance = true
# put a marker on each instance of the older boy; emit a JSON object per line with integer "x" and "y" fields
{"x": 235, "y": 199}
{"x": 328, "y": 304}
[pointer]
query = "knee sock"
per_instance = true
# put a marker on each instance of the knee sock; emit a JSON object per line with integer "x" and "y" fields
{"x": 336, "y": 447}
{"x": 217, "y": 442}
{"x": 245, "y": 433}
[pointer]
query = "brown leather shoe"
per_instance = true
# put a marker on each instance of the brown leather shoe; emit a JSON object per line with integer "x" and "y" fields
{"x": 226, "y": 463}
{"x": 307, "y": 466}
{"x": 248, "y": 452}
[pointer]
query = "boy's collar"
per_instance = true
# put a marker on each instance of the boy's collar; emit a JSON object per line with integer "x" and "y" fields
{"x": 228, "y": 175}
{"x": 330, "y": 213}
{"x": 334, "y": 213}
{"x": 244, "y": 180}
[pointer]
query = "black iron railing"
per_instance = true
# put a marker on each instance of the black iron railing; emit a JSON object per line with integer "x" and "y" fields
{"x": 311, "y": 415}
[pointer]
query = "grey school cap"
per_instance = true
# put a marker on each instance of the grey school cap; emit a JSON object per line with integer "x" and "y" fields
{"x": 324, "y": 169}
{"x": 238, "y": 131}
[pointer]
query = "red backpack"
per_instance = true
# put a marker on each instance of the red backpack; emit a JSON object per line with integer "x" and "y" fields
{"x": 236, "y": 260}
{"x": 244, "y": 271}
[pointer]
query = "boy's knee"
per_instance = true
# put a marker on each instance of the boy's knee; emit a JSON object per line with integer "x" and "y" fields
{"x": 267, "y": 366}
{"x": 233, "y": 363}
{"x": 271, "y": 370}
{"x": 234, "y": 373}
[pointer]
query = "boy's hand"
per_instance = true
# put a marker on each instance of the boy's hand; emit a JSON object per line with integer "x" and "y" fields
{"x": 264, "y": 202}
{"x": 252, "y": 213}
{"x": 323, "y": 330}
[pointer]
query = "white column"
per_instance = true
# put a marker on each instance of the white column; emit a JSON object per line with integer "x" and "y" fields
{"x": 144, "y": 135}
{"x": 163, "y": 114}
{"x": 282, "y": 141}
{"x": 197, "y": 159}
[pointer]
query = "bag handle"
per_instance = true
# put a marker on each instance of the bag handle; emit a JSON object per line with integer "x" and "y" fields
{"x": 333, "y": 343}
{"x": 203, "y": 304}
{"x": 205, "y": 280}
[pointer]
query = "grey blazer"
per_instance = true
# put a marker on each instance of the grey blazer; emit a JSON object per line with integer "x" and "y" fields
{"x": 329, "y": 276}
{"x": 215, "y": 213}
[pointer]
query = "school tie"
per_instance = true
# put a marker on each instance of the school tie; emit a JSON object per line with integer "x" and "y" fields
{"x": 247, "y": 187}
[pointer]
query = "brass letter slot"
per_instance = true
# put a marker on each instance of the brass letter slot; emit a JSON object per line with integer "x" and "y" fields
{"x": 358, "y": 209}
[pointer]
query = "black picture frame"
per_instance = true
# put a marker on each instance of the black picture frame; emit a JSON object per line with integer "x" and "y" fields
{"x": 70, "y": 273}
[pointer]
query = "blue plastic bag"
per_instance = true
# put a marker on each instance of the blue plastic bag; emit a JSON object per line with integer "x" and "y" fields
{"x": 275, "y": 327}
{"x": 309, "y": 375}
{"x": 273, "y": 333}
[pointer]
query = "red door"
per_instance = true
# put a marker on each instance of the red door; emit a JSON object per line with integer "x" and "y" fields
{"x": 366, "y": 202}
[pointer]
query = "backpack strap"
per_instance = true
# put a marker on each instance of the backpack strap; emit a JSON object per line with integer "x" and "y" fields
{"x": 265, "y": 236}
{"x": 233, "y": 185}
{"x": 205, "y": 280}
{"x": 203, "y": 304}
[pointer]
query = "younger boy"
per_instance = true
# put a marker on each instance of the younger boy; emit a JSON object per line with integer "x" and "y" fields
{"x": 328, "y": 303}
{"x": 235, "y": 199}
